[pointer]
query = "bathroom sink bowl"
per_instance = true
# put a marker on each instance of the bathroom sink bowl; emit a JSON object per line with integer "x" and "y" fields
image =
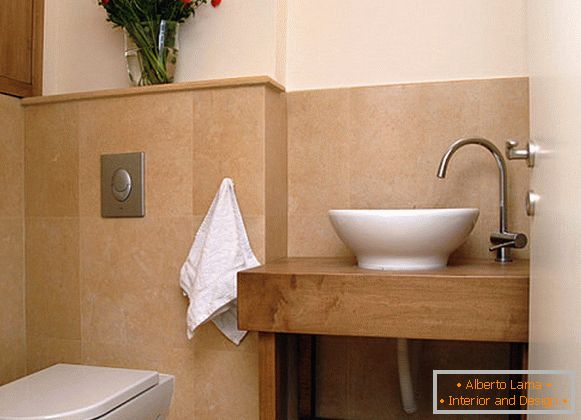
{"x": 412, "y": 239}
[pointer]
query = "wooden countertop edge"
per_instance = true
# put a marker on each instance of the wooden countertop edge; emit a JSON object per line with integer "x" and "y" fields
{"x": 156, "y": 89}
{"x": 331, "y": 266}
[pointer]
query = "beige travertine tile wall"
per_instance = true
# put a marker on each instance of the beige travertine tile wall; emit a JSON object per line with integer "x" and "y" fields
{"x": 106, "y": 291}
{"x": 12, "y": 310}
{"x": 52, "y": 235}
{"x": 379, "y": 147}
{"x": 276, "y": 235}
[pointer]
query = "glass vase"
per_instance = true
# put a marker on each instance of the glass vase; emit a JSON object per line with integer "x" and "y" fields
{"x": 151, "y": 51}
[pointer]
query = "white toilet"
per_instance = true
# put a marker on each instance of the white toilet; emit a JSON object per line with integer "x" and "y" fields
{"x": 75, "y": 392}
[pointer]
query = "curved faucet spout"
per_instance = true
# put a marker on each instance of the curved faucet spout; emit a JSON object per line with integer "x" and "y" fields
{"x": 487, "y": 144}
{"x": 503, "y": 252}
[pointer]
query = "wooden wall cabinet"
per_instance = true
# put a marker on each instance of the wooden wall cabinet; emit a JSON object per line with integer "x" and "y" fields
{"x": 21, "y": 45}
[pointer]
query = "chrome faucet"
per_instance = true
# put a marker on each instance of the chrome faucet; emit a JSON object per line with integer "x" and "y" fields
{"x": 503, "y": 240}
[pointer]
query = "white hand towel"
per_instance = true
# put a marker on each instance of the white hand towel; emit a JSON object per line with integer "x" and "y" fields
{"x": 208, "y": 277}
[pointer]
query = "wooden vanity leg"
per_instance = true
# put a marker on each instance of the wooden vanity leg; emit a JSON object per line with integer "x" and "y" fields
{"x": 272, "y": 376}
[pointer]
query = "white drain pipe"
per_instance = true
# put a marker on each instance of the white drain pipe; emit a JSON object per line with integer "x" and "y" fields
{"x": 408, "y": 399}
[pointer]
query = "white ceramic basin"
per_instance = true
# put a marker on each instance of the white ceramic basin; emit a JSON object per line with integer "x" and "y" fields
{"x": 412, "y": 239}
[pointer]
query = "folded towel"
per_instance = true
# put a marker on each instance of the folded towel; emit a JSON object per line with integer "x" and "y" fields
{"x": 208, "y": 277}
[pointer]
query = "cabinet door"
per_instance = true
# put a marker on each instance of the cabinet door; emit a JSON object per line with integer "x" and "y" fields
{"x": 21, "y": 47}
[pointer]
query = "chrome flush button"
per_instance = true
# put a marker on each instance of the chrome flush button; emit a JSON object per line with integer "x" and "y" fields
{"x": 121, "y": 184}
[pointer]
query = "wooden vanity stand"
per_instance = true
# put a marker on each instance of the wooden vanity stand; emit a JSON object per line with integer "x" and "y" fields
{"x": 470, "y": 300}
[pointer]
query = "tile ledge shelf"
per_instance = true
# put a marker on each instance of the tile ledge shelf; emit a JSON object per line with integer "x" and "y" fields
{"x": 145, "y": 90}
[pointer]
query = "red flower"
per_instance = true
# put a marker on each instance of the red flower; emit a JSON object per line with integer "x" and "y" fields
{"x": 216, "y": 3}
{"x": 104, "y": 3}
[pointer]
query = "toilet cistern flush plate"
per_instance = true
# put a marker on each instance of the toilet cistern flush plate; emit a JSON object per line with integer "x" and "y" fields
{"x": 404, "y": 239}
{"x": 122, "y": 185}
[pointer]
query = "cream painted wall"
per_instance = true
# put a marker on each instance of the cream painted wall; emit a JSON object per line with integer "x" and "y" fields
{"x": 390, "y": 41}
{"x": 83, "y": 52}
{"x": 303, "y": 44}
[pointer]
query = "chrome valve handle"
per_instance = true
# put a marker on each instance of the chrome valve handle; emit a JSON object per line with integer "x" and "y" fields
{"x": 507, "y": 240}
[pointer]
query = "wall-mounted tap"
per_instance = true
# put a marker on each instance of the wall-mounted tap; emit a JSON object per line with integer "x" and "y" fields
{"x": 503, "y": 240}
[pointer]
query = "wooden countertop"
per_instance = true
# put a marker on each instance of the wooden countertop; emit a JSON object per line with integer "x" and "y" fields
{"x": 474, "y": 300}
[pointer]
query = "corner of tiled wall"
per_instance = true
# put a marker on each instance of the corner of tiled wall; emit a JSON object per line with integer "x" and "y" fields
{"x": 12, "y": 305}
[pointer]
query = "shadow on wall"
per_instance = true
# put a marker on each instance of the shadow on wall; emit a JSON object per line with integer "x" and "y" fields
{"x": 358, "y": 376}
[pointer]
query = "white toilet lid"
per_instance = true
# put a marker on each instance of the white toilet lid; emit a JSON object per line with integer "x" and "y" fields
{"x": 72, "y": 392}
